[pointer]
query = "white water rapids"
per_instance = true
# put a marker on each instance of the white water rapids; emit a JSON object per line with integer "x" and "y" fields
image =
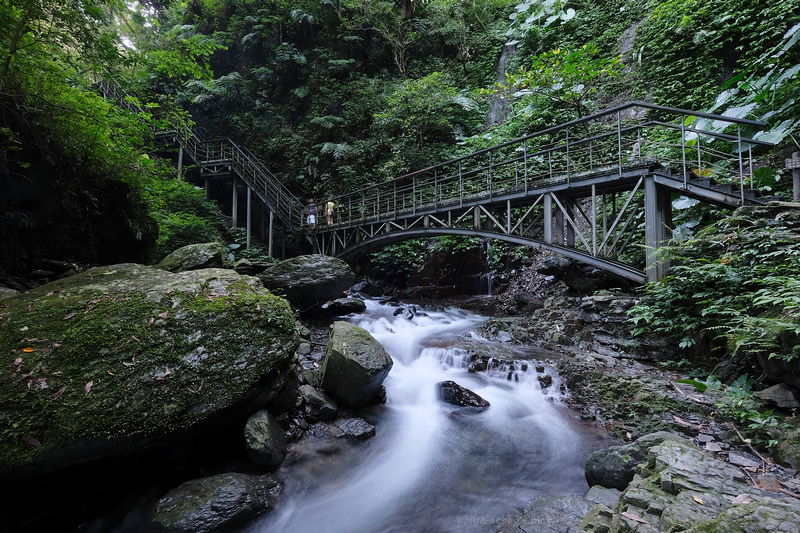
{"x": 434, "y": 467}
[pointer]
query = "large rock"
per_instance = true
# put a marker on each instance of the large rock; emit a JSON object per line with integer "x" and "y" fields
{"x": 193, "y": 257}
{"x": 679, "y": 487}
{"x": 127, "y": 357}
{"x": 308, "y": 281}
{"x": 266, "y": 443}
{"x": 355, "y": 365}
{"x": 213, "y": 504}
{"x": 614, "y": 467}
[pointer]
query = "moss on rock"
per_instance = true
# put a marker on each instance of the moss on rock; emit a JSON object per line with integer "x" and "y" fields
{"x": 121, "y": 356}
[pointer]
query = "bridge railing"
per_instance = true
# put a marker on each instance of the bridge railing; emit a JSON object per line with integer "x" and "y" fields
{"x": 604, "y": 143}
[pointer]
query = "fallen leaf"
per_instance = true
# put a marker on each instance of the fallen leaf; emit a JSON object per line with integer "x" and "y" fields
{"x": 149, "y": 322}
{"x": 164, "y": 314}
{"x": 27, "y": 349}
{"x": 743, "y": 498}
{"x": 698, "y": 500}
{"x": 134, "y": 338}
{"x": 24, "y": 328}
{"x": 18, "y": 361}
{"x": 69, "y": 316}
{"x": 110, "y": 373}
{"x": 634, "y": 517}
{"x": 59, "y": 392}
{"x": 34, "y": 442}
{"x": 89, "y": 386}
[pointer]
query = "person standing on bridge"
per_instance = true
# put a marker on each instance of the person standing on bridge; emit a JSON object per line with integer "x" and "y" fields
{"x": 329, "y": 210}
{"x": 312, "y": 214}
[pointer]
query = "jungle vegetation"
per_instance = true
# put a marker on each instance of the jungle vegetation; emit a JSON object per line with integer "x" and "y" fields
{"x": 337, "y": 94}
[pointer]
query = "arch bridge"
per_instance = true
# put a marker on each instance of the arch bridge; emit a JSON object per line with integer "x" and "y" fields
{"x": 598, "y": 189}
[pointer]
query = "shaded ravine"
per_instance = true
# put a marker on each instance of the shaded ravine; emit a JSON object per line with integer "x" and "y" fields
{"x": 433, "y": 466}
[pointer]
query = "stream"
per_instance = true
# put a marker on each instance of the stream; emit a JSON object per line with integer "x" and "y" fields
{"x": 433, "y": 466}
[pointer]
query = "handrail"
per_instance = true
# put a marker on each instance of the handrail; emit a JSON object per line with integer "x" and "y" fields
{"x": 491, "y": 171}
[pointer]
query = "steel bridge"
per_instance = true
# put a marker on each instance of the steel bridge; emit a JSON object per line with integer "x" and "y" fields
{"x": 579, "y": 189}
{"x": 598, "y": 189}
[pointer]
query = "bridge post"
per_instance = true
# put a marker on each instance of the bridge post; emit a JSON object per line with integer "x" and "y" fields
{"x": 271, "y": 221}
{"x": 560, "y": 219}
{"x": 548, "y": 218}
{"x": 249, "y": 215}
{"x": 235, "y": 203}
{"x": 658, "y": 220}
{"x": 476, "y": 218}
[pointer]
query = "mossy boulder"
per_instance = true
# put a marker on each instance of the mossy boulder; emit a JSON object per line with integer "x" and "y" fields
{"x": 129, "y": 357}
{"x": 309, "y": 281}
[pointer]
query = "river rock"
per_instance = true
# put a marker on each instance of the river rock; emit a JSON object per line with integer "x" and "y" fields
{"x": 317, "y": 405}
{"x": 357, "y": 428}
{"x": 214, "y": 504}
{"x": 679, "y": 487}
{"x": 355, "y": 365}
{"x": 545, "y": 515}
{"x": 344, "y": 306}
{"x": 125, "y": 358}
{"x": 453, "y": 393}
{"x": 193, "y": 257}
{"x": 308, "y": 281}
{"x": 614, "y": 467}
{"x": 266, "y": 444}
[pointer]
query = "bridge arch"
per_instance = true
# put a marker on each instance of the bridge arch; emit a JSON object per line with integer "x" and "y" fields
{"x": 383, "y": 240}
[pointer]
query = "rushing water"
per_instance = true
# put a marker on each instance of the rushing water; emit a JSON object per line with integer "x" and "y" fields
{"x": 433, "y": 466}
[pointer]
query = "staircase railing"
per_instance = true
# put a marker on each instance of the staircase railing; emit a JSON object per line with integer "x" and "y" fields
{"x": 220, "y": 152}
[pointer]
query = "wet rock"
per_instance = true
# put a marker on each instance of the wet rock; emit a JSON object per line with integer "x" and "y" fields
{"x": 545, "y": 381}
{"x": 356, "y": 428}
{"x": 193, "y": 257}
{"x": 344, "y": 306}
{"x": 317, "y": 405}
{"x": 549, "y": 515}
{"x": 215, "y": 504}
{"x": 370, "y": 288}
{"x": 679, "y": 487}
{"x": 781, "y": 395}
{"x": 453, "y": 393}
{"x": 355, "y": 365}
{"x": 614, "y": 467}
{"x": 266, "y": 444}
{"x": 308, "y": 281}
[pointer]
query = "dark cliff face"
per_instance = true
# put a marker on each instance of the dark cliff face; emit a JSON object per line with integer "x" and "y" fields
{"x": 52, "y": 214}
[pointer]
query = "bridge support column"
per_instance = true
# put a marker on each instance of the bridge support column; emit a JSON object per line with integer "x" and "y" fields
{"x": 180, "y": 162}
{"x": 658, "y": 221}
{"x": 569, "y": 205}
{"x": 476, "y": 220}
{"x": 235, "y": 203}
{"x": 271, "y": 221}
{"x": 249, "y": 215}
{"x": 548, "y": 218}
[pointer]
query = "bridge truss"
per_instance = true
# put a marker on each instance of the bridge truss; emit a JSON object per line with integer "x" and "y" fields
{"x": 598, "y": 189}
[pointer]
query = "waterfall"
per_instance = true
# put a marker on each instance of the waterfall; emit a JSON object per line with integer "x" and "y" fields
{"x": 433, "y": 466}
{"x": 498, "y": 108}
